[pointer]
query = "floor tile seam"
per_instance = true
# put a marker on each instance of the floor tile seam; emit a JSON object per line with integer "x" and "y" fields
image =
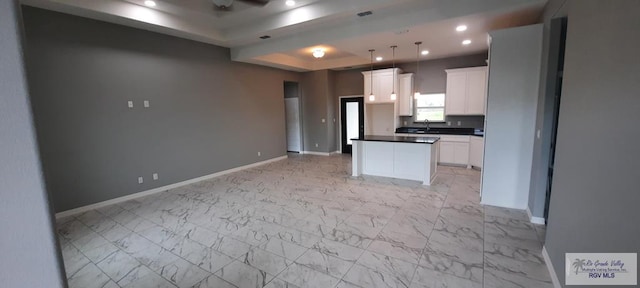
{"x": 367, "y": 249}
{"x": 428, "y": 238}
{"x": 450, "y": 273}
{"x": 104, "y": 258}
{"x": 294, "y": 262}
{"x": 85, "y": 256}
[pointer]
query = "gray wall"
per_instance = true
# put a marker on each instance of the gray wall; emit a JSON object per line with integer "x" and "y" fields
{"x": 207, "y": 114}
{"x": 511, "y": 109}
{"x": 318, "y": 104}
{"x": 432, "y": 79}
{"x": 594, "y": 200}
{"x": 30, "y": 255}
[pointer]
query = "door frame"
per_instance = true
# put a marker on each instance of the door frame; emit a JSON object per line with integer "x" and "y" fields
{"x": 340, "y": 117}
{"x": 300, "y": 115}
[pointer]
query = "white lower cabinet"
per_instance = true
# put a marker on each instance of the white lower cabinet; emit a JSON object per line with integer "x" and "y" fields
{"x": 476, "y": 151}
{"x": 454, "y": 149}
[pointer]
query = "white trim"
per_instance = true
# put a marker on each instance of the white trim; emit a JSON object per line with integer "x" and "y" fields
{"x": 315, "y": 153}
{"x": 552, "y": 272}
{"x": 161, "y": 189}
{"x": 534, "y": 220}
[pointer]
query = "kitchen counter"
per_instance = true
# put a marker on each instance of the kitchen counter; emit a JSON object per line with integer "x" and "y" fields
{"x": 403, "y": 139}
{"x": 396, "y": 157}
{"x": 440, "y": 130}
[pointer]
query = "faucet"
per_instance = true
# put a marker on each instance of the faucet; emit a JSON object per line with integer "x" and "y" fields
{"x": 426, "y": 123}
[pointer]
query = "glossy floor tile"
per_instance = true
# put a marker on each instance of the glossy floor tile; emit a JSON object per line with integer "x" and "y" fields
{"x": 305, "y": 222}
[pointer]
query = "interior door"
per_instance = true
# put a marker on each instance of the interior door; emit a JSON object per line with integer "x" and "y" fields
{"x": 292, "y": 111}
{"x": 352, "y": 121}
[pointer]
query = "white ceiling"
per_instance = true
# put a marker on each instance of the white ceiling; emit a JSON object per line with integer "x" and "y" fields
{"x": 330, "y": 24}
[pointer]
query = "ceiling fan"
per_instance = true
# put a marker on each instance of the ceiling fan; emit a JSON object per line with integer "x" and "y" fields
{"x": 227, "y": 5}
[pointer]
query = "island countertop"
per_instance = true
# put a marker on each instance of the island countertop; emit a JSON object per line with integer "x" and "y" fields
{"x": 403, "y": 139}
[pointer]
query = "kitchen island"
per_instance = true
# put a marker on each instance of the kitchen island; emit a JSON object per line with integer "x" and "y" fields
{"x": 413, "y": 158}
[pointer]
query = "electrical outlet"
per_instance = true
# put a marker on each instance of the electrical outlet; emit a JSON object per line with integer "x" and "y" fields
{"x": 259, "y": 153}
{"x": 155, "y": 176}
{"x": 130, "y": 104}
{"x": 316, "y": 144}
{"x": 323, "y": 120}
{"x": 405, "y": 123}
{"x": 538, "y": 134}
{"x": 334, "y": 120}
{"x": 448, "y": 123}
{"x": 146, "y": 103}
{"x": 140, "y": 180}
{"x": 459, "y": 123}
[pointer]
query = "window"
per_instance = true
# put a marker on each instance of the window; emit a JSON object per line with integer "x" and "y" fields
{"x": 430, "y": 107}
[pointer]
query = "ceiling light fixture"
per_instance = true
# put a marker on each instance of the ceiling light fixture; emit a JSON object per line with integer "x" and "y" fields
{"x": 416, "y": 95}
{"x": 379, "y": 58}
{"x": 425, "y": 52}
{"x": 371, "y": 96}
{"x": 461, "y": 28}
{"x": 150, "y": 3}
{"x": 318, "y": 52}
{"x": 393, "y": 91}
{"x": 466, "y": 42}
{"x": 290, "y": 3}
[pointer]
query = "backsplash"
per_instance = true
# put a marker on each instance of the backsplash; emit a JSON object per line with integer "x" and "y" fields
{"x": 465, "y": 122}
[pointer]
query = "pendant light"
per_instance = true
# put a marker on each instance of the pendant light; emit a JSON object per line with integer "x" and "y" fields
{"x": 393, "y": 91}
{"x": 371, "y": 96}
{"x": 417, "y": 94}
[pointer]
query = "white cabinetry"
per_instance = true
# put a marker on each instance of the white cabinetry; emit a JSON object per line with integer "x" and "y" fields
{"x": 383, "y": 83}
{"x": 454, "y": 149}
{"x": 466, "y": 91}
{"x": 405, "y": 97}
{"x": 476, "y": 151}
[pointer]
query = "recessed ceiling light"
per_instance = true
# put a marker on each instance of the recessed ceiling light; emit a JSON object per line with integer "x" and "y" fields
{"x": 150, "y": 3}
{"x": 461, "y": 28}
{"x": 379, "y": 58}
{"x": 466, "y": 42}
{"x": 425, "y": 52}
{"x": 290, "y": 3}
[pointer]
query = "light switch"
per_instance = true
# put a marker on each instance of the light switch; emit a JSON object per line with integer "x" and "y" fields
{"x": 140, "y": 180}
{"x": 323, "y": 120}
{"x": 538, "y": 134}
{"x": 130, "y": 104}
{"x": 155, "y": 176}
{"x": 146, "y": 103}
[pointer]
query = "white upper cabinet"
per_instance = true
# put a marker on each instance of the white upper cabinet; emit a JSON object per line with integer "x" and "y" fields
{"x": 383, "y": 84}
{"x": 455, "y": 99}
{"x": 405, "y": 95}
{"x": 466, "y": 91}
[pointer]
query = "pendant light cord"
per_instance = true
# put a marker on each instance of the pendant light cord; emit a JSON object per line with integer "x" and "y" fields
{"x": 371, "y": 82}
{"x": 393, "y": 91}
{"x": 417, "y": 65}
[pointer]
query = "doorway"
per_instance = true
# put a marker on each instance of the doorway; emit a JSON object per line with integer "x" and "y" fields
{"x": 292, "y": 115}
{"x": 351, "y": 121}
{"x": 559, "y": 35}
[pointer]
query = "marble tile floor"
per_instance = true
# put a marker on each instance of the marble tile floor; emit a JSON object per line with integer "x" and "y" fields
{"x": 305, "y": 222}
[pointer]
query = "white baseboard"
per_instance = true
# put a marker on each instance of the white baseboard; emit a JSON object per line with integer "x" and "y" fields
{"x": 315, "y": 153}
{"x": 552, "y": 272}
{"x": 535, "y": 220}
{"x": 336, "y": 152}
{"x": 161, "y": 189}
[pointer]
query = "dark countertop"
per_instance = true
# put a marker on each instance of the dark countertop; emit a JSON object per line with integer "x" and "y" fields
{"x": 441, "y": 130}
{"x": 403, "y": 139}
